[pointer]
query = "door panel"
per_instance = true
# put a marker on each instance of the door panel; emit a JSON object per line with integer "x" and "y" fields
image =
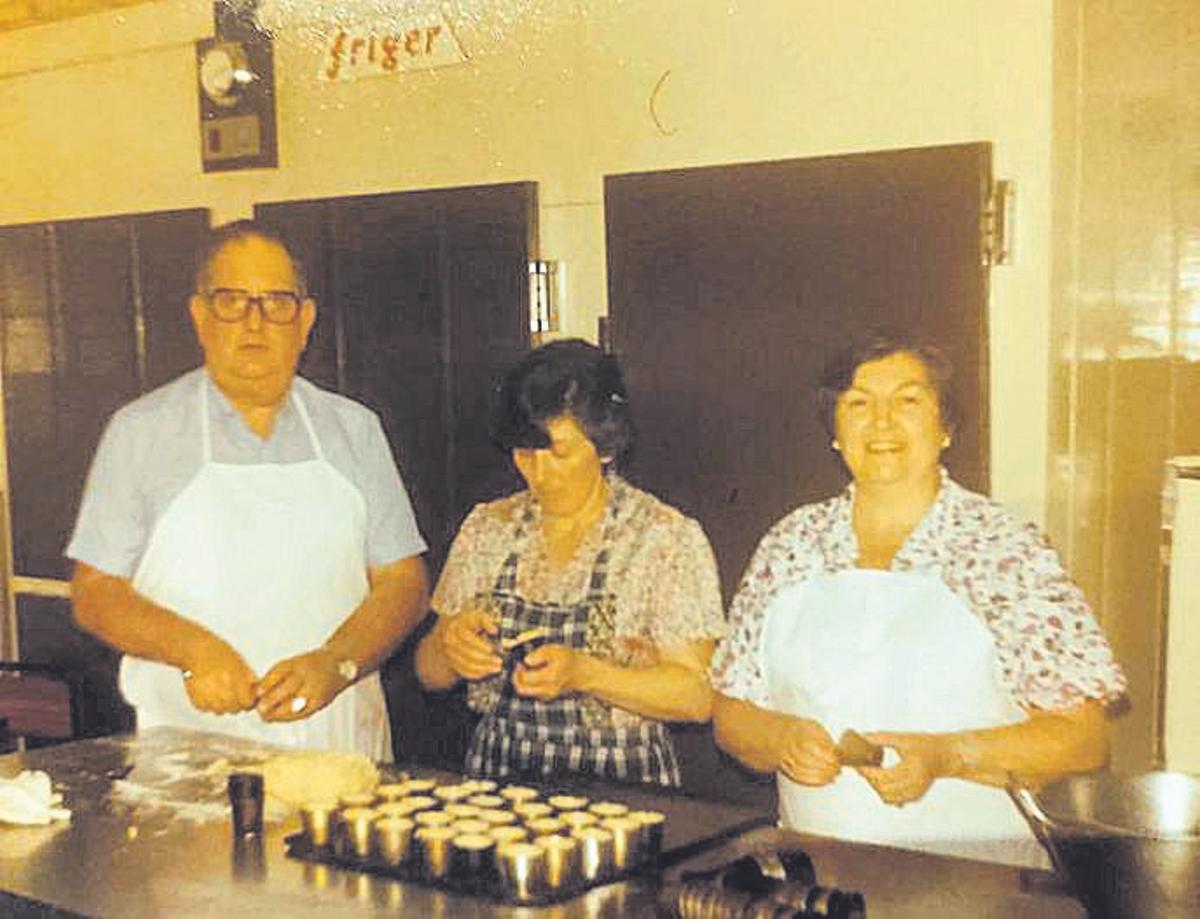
{"x": 730, "y": 286}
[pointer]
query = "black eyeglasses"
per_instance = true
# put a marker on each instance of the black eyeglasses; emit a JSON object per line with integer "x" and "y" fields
{"x": 232, "y": 304}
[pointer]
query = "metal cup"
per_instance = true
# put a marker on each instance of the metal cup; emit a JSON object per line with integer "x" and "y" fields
{"x": 628, "y": 841}
{"x": 462, "y": 811}
{"x": 498, "y": 817}
{"x": 518, "y": 794}
{"x": 507, "y": 834}
{"x": 416, "y": 803}
{"x": 523, "y": 871}
{"x": 562, "y": 861}
{"x": 546, "y": 826}
{"x": 480, "y": 786}
{"x": 568, "y": 802}
{"x": 432, "y": 818}
{"x": 433, "y": 843}
{"x": 470, "y": 827}
{"x": 246, "y": 802}
{"x": 595, "y": 852}
{"x": 577, "y": 820}
{"x": 391, "y": 792}
{"x": 419, "y": 786}
{"x": 532, "y": 810}
{"x": 318, "y": 818}
{"x": 606, "y": 810}
{"x": 654, "y": 823}
{"x": 473, "y": 858}
{"x": 354, "y": 831}
{"x": 357, "y": 799}
{"x": 452, "y": 792}
{"x": 393, "y": 839}
{"x": 487, "y": 801}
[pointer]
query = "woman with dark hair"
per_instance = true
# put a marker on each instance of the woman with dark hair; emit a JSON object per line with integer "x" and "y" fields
{"x": 920, "y": 614}
{"x": 618, "y": 592}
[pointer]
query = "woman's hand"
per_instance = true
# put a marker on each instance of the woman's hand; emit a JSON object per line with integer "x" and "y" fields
{"x": 549, "y": 672}
{"x": 468, "y": 644}
{"x": 300, "y": 686}
{"x": 924, "y": 758}
{"x": 807, "y": 753}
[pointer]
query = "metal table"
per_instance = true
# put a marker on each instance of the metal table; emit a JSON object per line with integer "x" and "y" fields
{"x": 150, "y": 836}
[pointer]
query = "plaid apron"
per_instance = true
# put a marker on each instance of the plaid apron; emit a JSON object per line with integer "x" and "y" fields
{"x": 573, "y": 733}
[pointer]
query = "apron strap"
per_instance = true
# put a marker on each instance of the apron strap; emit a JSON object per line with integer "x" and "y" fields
{"x": 205, "y": 435}
{"x": 206, "y": 432}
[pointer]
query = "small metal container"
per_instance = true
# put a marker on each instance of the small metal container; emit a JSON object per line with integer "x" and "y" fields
{"x": 487, "y": 802}
{"x": 419, "y": 803}
{"x": 654, "y": 823}
{"x": 354, "y": 831}
{"x": 360, "y": 799}
{"x": 574, "y": 820}
{"x": 452, "y": 792}
{"x": 522, "y": 871}
{"x": 606, "y": 810}
{"x": 595, "y": 852}
{"x": 393, "y": 791}
{"x": 319, "y": 819}
{"x": 246, "y": 803}
{"x": 497, "y": 817}
{"x": 518, "y": 794}
{"x": 532, "y": 810}
{"x": 506, "y": 834}
{"x": 462, "y": 811}
{"x": 432, "y": 818}
{"x": 471, "y": 827}
{"x": 563, "y": 866}
{"x": 546, "y": 826}
{"x": 473, "y": 858}
{"x": 628, "y": 841}
{"x": 480, "y": 786}
{"x": 393, "y": 839}
{"x": 419, "y": 786}
{"x": 568, "y": 802}
{"x": 433, "y": 847}
{"x": 398, "y": 808}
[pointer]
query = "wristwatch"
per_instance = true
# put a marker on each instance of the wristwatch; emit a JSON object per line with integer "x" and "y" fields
{"x": 347, "y": 669}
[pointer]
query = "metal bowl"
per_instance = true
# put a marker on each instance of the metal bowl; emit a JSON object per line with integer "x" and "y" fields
{"x": 1129, "y": 845}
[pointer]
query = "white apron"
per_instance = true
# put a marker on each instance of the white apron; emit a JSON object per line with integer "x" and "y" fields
{"x": 271, "y": 558}
{"x": 882, "y": 651}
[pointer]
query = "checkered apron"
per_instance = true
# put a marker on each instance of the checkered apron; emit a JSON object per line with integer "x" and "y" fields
{"x": 573, "y": 733}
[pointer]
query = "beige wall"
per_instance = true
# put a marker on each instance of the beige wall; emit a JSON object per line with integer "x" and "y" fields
{"x": 100, "y": 116}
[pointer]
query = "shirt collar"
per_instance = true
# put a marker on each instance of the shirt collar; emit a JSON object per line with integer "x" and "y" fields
{"x": 924, "y": 545}
{"x": 231, "y": 419}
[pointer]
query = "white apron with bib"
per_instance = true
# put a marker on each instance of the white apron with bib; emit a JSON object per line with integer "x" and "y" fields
{"x": 882, "y": 651}
{"x": 271, "y": 558}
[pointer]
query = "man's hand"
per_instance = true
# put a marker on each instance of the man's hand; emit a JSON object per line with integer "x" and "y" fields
{"x": 807, "y": 754}
{"x": 219, "y": 680}
{"x": 300, "y": 686}
{"x": 549, "y": 672}
{"x": 468, "y": 644}
{"x": 923, "y": 760}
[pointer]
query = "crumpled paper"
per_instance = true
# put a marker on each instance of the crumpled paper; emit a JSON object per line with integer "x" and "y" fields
{"x": 30, "y": 800}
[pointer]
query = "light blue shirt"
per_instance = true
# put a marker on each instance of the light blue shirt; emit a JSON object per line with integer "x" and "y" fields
{"x": 152, "y": 448}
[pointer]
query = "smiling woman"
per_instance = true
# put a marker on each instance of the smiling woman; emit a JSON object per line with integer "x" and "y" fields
{"x": 916, "y": 610}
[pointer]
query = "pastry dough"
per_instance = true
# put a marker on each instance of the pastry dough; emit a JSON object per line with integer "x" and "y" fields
{"x": 304, "y": 776}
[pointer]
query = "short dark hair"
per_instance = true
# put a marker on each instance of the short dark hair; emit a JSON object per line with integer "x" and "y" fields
{"x": 568, "y": 376}
{"x": 235, "y": 231}
{"x": 838, "y": 373}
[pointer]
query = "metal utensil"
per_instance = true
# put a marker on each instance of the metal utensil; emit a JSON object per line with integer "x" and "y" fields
{"x": 855, "y": 750}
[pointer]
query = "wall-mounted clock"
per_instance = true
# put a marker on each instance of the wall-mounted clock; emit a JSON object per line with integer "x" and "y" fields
{"x": 236, "y": 83}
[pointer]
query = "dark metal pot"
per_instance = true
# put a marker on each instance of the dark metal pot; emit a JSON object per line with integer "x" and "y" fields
{"x": 1129, "y": 845}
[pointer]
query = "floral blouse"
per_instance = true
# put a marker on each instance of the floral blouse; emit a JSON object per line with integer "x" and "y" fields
{"x": 1051, "y": 651}
{"x": 662, "y": 575}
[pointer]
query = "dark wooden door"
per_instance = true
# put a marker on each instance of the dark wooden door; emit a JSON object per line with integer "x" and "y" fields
{"x": 92, "y": 314}
{"x": 729, "y": 287}
{"x": 423, "y": 300}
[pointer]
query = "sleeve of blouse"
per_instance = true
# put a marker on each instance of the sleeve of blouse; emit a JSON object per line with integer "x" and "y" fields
{"x": 736, "y": 670}
{"x": 1052, "y": 650}
{"x": 460, "y": 581}
{"x": 685, "y": 589}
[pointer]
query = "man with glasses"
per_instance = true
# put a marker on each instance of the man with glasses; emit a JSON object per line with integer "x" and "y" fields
{"x": 244, "y": 537}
